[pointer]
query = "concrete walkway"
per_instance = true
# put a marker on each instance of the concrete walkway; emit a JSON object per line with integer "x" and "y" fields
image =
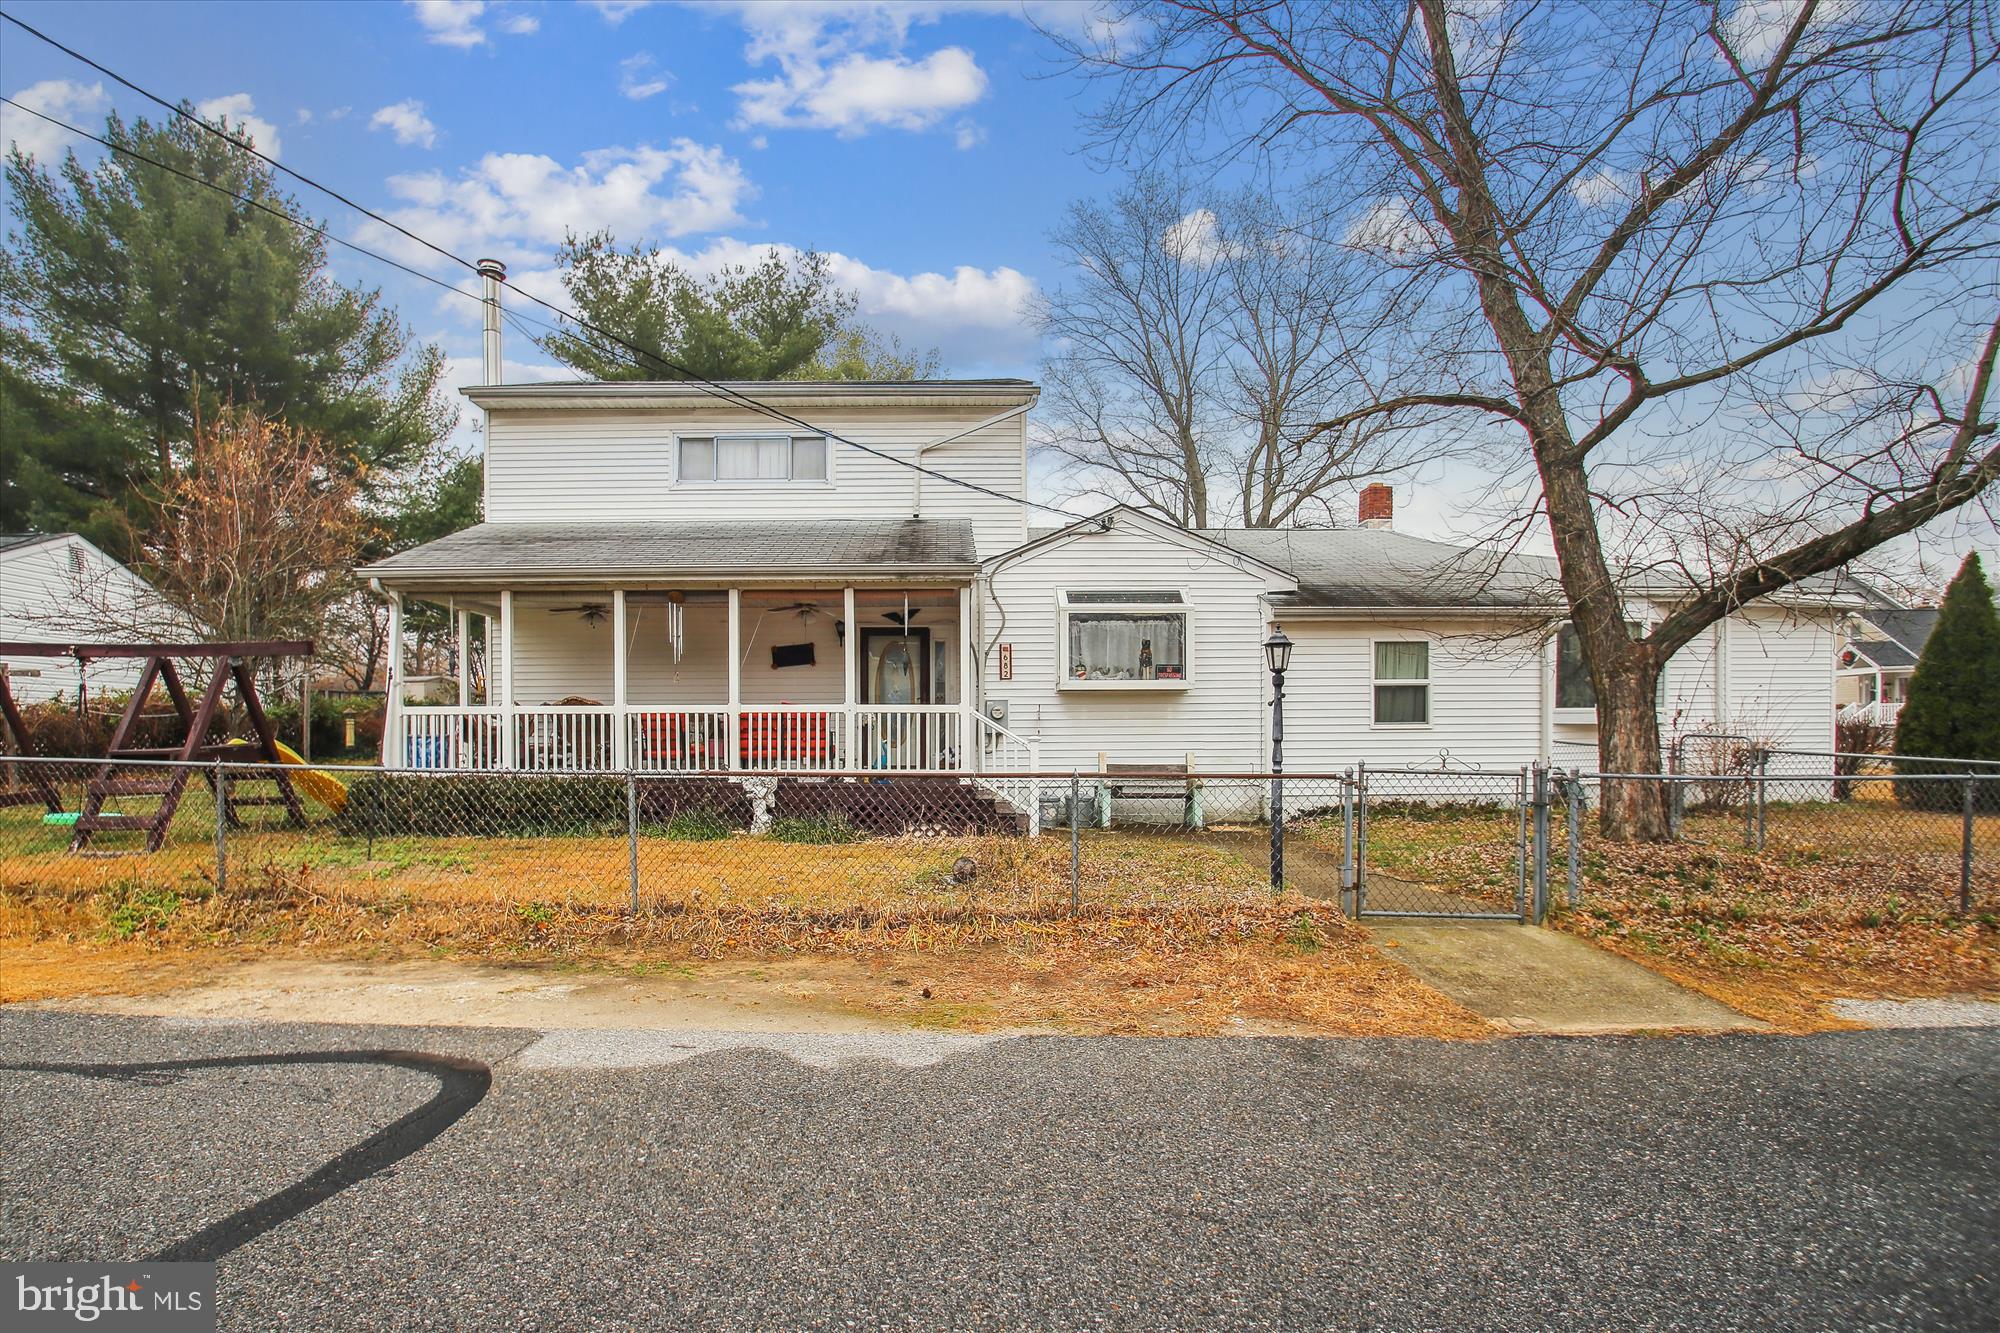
{"x": 1531, "y": 980}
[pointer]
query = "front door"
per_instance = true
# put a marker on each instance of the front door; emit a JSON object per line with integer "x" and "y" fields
{"x": 895, "y": 666}
{"x": 896, "y": 673}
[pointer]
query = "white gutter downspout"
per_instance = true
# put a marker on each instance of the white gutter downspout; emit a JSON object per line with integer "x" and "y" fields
{"x": 917, "y": 478}
{"x": 492, "y": 273}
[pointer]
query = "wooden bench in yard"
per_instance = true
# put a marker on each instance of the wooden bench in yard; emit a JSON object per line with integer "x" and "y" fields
{"x": 1149, "y": 782}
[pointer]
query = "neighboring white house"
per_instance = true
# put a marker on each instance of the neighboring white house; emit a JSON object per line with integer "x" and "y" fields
{"x": 677, "y": 583}
{"x": 1883, "y": 641}
{"x": 56, "y": 587}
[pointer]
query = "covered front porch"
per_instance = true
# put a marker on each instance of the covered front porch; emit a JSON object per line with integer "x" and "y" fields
{"x": 800, "y": 678}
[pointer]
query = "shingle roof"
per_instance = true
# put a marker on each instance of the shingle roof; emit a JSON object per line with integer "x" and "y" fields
{"x": 1380, "y": 568}
{"x": 1909, "y": 626}
{"x": 668, "y": 550}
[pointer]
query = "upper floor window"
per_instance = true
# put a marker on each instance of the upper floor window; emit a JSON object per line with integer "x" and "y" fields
{"x": 1124, "y": 639}
{"x": 753, "y": 458}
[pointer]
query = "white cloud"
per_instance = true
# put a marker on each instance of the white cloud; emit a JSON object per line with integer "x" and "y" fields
{"x": 239, "y": 113}
{"x": 640, "y": 77}
{"x": 521, "y": 25}
{"x": 1391, "y": 226}
{"x": 1601, "y": 188}
{"x": 340, "y": 113}
{"x": 842, "y": 67}
{"x": 451, "y": 22}
{"x": 615, "y": 12}
{"x": 513, "y": 200}
{"x": 1754, "y": 28}
{"x": 77, "y": 103}
{"x": 1196, "y": 239}
{"x": 304, "y": 116}
{"x": 967, "y": 135}
{"x": 407, "y": 121}
{"x": 976, "y": 316}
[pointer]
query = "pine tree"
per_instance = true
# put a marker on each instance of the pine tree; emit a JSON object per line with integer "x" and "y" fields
{"x": 1953, "y": 708}
{"x": 134, "y": 300}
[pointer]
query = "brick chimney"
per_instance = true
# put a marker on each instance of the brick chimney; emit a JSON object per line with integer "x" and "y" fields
{"x": 1378, "y": 506}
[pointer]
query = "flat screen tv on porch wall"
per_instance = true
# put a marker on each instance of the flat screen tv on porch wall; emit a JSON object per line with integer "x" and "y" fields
{"x": 791, "y": 655}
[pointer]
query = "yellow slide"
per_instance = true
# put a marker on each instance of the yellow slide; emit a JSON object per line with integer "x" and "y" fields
{"x": 317, "y": 783}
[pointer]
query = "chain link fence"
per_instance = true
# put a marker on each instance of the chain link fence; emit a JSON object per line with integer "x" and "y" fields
{"x": 735, "y": 858}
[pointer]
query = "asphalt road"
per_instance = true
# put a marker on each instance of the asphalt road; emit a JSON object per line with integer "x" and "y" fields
{"x": 1730, "y": 1182}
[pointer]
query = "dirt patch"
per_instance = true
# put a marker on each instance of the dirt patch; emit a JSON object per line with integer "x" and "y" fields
{"x": 1335, "y": 990}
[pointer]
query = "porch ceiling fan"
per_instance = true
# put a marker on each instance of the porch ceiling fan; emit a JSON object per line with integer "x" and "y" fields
{"x": 593, "y": 613}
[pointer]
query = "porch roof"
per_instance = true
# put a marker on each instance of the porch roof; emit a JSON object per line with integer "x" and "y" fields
{"x": 494, "y": 554}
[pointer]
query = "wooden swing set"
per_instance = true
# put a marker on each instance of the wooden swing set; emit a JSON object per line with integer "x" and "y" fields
{"x": 164, "y": 780}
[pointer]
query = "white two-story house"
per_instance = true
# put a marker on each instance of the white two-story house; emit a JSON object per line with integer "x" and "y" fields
{"x": 675, "y": 580}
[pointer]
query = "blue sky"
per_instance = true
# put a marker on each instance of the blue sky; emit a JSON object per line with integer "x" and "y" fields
{"x": 929, "y": 150}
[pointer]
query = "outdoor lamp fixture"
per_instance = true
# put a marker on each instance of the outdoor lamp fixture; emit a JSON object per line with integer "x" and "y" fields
{"x": 1278, "y": 652}
{"x": 1278, "y": 656}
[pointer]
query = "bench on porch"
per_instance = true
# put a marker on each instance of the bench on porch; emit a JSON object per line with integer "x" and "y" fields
{"x": 1150, "y": 782}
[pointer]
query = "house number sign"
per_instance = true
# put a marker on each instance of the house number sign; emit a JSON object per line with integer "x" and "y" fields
{"x": 1006, "y": 661}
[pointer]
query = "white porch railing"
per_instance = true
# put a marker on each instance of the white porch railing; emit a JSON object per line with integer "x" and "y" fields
{"x": 754, "y": 738}
{"x": 998, "y": 750}
{"x": 1877, "y": 712}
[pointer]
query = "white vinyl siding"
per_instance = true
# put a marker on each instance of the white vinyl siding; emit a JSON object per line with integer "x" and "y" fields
{"x": 1779, "y": 663}
{"x": 611, "y": 466}
{"x": 1220, "y": 717}
{"x": 1484, "y": 696}
{"x": 63, "y": 589}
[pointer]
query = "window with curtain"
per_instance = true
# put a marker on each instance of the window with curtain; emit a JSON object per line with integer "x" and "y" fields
{"x": 1124, "y": 639}
{"x": 1402, "y": 684}
{"x": 757, "y": 458}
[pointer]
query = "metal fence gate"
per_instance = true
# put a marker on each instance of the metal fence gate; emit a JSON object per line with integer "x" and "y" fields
{"x": 1451, "y": 843}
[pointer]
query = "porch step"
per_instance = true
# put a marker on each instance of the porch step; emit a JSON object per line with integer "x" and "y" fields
{"x": 898, "y": 805}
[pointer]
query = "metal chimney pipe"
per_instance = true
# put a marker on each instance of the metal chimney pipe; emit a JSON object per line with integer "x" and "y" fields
{"x": 491, "y": 274}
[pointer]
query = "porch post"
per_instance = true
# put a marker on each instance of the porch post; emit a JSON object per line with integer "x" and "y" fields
{"x": 850, "y": 666}
{"x": 736, "y": 678}
{"x": 464, "y": 657}
{"x": 621, "y": 733}
{"x": 968, "y": 685}
{"x": 506, "y": 700}
{"x": 396, "y": 748}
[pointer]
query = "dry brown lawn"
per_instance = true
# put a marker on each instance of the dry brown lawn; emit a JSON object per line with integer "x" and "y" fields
{"x": 1171, "y": 937}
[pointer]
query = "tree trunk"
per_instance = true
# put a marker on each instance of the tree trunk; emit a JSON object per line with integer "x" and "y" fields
{"x": 1628, "y": 741}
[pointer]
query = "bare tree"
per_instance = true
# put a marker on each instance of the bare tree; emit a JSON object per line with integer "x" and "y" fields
{"x": 255, "y": 535}
{"x": 1198, "y": 345}
{"x": 1732, "y": 266}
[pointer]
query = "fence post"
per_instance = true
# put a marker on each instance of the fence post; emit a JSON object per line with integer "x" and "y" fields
{"x": 1749, "y": 809}
{"x": 1521, "y": 843}
{"x": 632, "y": 835}
{"x": 1360, "y": 837}
{"x": 1541, "y": 842}
{"x": 221, "y": 830}
{"x": 1075, "y": 844}
{"x": 1965, "y": 849}
{"x": 1575, "y": 804}
{"x": 1763, "y": 763}
{"x": 1347, "y": 829}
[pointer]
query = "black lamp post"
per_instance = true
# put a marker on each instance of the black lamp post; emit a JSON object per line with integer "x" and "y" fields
{"x": 1278, "y": 656}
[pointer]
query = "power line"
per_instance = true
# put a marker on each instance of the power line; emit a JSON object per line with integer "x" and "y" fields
{"x": 715, "y": 388}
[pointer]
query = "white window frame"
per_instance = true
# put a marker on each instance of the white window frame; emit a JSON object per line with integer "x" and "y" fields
{"x": 1428, "y": 682}
{"x": 753, "y": 483}
{"x": 1184, "y": 608}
